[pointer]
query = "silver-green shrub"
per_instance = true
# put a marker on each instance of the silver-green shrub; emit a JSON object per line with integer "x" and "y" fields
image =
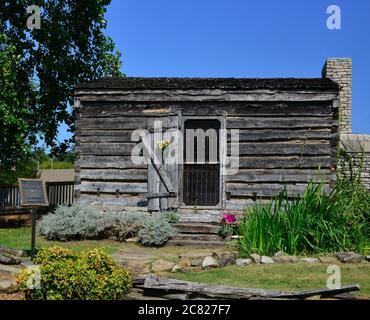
{"x": 125, "y": 224}
{"x": 78, "y": 221}
{"x": 156, "y": 231}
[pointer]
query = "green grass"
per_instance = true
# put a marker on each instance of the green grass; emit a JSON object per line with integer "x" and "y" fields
{"x": 286, "y": 277}
{"x": 20, "y": 238}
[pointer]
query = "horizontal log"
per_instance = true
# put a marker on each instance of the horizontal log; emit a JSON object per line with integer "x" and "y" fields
{"x": 115, "y": 149}
{"x": 284, "y": 135}
{"x": 110, "y": 200}
{"x": 264, "y": 189}
{"x": 278, "y": 122}
{"x": 113, "y": 123}
{"x": 111, "y": 187}
{"x": 270, "y": 162}
{"x": 303, "y": 108}
{"x": 98, "y": 136}
{"x": 124, "y": 109}
{"x": 202, "y": 95}
{"x": 280, "y": 175}
{"x": 166, "y": 285}
{"x": 113, "y": 162}
{"x": 114, "y": 174}
{"x": 316, "y": 108}
{"x": 240, "y": 204}
{"x": 283, "y": 149}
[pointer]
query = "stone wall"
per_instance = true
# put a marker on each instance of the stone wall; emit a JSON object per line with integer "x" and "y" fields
{"x": 340, "y": 71}
{"x": 354, "y": 144}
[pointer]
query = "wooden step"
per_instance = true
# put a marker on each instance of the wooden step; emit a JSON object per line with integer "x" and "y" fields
{"x": 196, "y": 236}
{"x": 184, "y": 227}
{"x": 200, "y": 217}
{"x": 195, "y": 243}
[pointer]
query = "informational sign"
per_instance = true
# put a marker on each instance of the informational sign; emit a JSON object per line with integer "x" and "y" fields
{"x": 32, "y": 193}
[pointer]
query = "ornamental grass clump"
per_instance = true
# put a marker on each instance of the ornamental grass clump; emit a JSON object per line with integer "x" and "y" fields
{"x": 64, "y": 275}
{"x": 312, "y": 223}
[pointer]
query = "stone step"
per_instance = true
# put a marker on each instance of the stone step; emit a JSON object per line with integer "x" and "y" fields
{"x": 195, "y": 243}
{"x": 196, "y": 236}
{"x": 183, "y": 227}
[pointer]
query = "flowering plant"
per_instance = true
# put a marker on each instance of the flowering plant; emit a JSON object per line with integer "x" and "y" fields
{"x": 164, "y": 144}
{"x": 229, "y": 217}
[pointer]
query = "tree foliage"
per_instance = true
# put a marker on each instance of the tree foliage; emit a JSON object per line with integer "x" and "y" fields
{"x": 13, "y": 104}
{"x": 69, "y": 48}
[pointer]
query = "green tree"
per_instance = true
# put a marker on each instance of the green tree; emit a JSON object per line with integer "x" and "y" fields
{"x": 69, "y": 48}
{"x": 13, "y": 105}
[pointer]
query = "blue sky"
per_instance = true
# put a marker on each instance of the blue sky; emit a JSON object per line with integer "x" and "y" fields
{"x": 243, "y": 38}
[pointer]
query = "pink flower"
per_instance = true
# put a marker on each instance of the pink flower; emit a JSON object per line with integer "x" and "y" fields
{"x": 230, "y": 218}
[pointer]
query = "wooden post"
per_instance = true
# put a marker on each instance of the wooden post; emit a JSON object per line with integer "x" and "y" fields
{"x": 33, "y": 238}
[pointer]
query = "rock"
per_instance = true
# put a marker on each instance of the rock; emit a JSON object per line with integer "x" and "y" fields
{"x": 227, "y": 258}
{"x": 256, "y": 258}
{"x": 162, "y": 265}
{"x": 285, "y": 259}
{"x": 196, "y": 262}
{"x": 279, "y": 254}
{"x": 210, "y": 262}
{"x": 243, "y": 262}
{"x": 328, "y": 260}
{"x": 9, "y": 269}
{"x": 27, "y": 264}
{"x": 181, "y": 265}
{"x": 10, "y": 259}
{"x": 348, "y": 257}
{"x": 8, "y": 286}
{"x": 266, "y": 260}
{"x": 310, "y": 260}
{"x": 134, "y": 239}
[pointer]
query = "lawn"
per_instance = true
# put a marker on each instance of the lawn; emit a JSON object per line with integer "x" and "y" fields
{"x": 20, "y": 238}
{"x": 287, "y": 277}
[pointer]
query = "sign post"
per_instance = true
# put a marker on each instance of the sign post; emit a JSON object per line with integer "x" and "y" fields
{"x": 32, "y": 194}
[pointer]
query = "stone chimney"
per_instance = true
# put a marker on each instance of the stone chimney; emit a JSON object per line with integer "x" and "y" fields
{"x": 340, "y": 71}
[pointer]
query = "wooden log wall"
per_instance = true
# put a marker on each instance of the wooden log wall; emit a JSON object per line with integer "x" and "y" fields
{"x": 281, "y": 142}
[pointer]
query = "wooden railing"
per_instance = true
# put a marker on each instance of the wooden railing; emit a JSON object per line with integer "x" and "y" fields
{"x": 58, "y": 193}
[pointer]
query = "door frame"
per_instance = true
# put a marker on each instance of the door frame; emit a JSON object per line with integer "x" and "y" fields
{"x": 222, "y": 151}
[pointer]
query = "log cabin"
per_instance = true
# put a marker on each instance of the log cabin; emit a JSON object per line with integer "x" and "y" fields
{"x": 270, "y": 133}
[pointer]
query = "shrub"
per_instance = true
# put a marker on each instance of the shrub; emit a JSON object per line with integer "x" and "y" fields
{"x": 170, "y": 216}
{"x": 312, "y": 223}
{"x": 125, "y": 225}
{"x": 73, "y": 222}
{"x": 88, "y": 275}
{"x": 156, "y": 231}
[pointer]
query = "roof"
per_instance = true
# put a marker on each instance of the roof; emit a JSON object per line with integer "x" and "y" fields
{"x": 136, "y": 83}
{"x": 57, "y": 175}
